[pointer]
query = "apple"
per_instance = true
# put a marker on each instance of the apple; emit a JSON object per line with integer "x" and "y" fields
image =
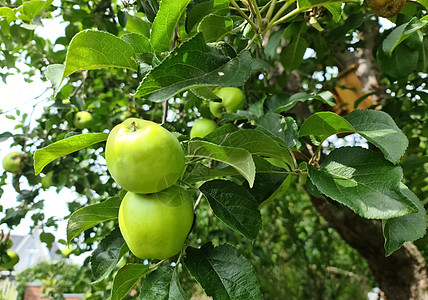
{"x": 14, "y": 259}
{"x": 14, "y": 162}
{"x": 67, "y": 251}
{"x": 143, "y": 157}
{"x": 202, "y": 127}
{"x": 232, "y": 100}
{"x": 47, "y": 181}
{"x": 82, "y": 119}
{"x": 156, "y": 225}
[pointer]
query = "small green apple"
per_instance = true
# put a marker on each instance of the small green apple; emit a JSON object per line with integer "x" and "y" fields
{"x": 202, "y": 127}
{"x": 232, "y": 100}
{"x": 14, "y": 259}
{"x": 67, "y": 251}
{"x": 156, "y": 225}
{"x": 14, "y": 162}
{"x": 143, "y": 157}
{"x": 82, "y": 119}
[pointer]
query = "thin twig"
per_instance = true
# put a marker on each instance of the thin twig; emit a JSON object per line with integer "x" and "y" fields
{"x": 81, "y": 85}
{"x": 165, "y": 112}
{"x": 256, "y": 9}
{"x": 243, "y": 14}
{"x": 26, "y": 102}
{"x": 198, "y": 201}
{"x": 271, "y": 9}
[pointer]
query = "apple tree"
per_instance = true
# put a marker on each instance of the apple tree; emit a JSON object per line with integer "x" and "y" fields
{"x": 312, "y": 108}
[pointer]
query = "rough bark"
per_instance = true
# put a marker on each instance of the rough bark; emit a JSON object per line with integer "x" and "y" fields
{"x": 403, "y": 275}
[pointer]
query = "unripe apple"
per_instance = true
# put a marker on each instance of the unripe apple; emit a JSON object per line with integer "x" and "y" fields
{"x": 232, "y": 100}
{"x": 14, "y": 162}
{"x": 14, "y": 259}
{"x": 143, "y": 157}
{"x": 156, "y": 225}
{"x": 82, "y": 119}
{"x": 67, "y": 251}
{"x": 386, "y": 8}
{"x": 202, "y": 127}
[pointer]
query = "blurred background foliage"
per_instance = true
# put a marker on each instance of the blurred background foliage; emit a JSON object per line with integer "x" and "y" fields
{"x": 296, "y": 255}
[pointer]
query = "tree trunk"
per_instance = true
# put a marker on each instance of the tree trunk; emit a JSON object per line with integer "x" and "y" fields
{"x": 403, "y": 275}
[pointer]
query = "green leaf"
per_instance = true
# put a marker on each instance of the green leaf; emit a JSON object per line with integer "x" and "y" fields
{"x": 215, "y": 27}
{"x": 403, "y": 229}
{"x": 238, "y": 158}
{"x": 140, "y": 43}
{"x": 395, "y": 65}
{"x": 309, "y": 3}
{"x": 89, "y": 216}
{"x": 335, "y": 8}
{"x": 199, "y": 172}
{"x": 48, "y": 238}
{"x": 197, "y": 11}
{"x": 380, "y": 129}
{"x": 91, "y": 49}
{"x": 234, "y": 205}
{"x": 258, "y": 143}
{"x": 149, "y": 7}
{"x": 325, "y": 96}
{"x": 423, "y": 2}
{"x": 8, "y": 13}
{"x": 265, "y": 185}
{"x": 194, "y": 64}
{"x": 107, "y": 255}
{"x": 122, "y": 16}
{"x": 126, "y": 278}
{"x": 222, "y": 273}
{"x": 324, "y": 124}
{"x": 5, "y": 136}
{"x": 29, "y": 10}
{"x": 273, "y": 43}
{"x": 54, "y": 73}
{"x": 136, "y": 24}
{"x": 218, "y": 135}
{"x": 170, "y": 12}
{"x": 44, "y": 156}
{"x": 162, "y": 284}
{"x": 292, "y": 55}
{"x": 284, "y": 130}
{"x": 401, "y": 33}
{"x": 364, "y": 181}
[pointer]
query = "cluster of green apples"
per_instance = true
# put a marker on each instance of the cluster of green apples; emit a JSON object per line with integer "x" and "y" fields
{"x": 232, "y": 100}
{"x": 155, "y": 215}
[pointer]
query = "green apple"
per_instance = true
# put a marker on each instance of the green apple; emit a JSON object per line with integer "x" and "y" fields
{"x": 67, "y": 251}
{"x": 143, "y": 157}
{"x": 156, "y": 225}
{"x": 232, "y": 100}
{"x": 47, "y": 181}
{"x": 82, "y": 119}
{"x": 14, "y": 259}
{"x": 14, "y": 162}
{"x": 202, "y": 127}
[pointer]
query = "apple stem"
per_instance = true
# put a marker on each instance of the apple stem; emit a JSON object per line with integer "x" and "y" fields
{"x": 133, "y": 127}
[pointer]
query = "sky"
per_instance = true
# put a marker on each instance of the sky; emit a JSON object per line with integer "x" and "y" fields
{"x": 18, "y": 94}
